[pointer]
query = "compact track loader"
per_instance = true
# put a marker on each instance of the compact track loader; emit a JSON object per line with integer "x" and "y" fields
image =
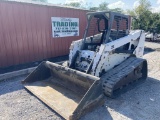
{"x": 107, "y": 60}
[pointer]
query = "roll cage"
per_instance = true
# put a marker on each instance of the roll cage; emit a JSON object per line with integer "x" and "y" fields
{"x": 110, "y": 19}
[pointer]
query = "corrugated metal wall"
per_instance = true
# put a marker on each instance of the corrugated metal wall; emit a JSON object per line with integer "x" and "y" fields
{"x": 25, "y": 32}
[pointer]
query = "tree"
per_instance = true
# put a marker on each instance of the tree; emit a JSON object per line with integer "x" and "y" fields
{"x": 104, "y": 7}
{"x": 145, "y": 19}
{"x": 94, "y": 8}
{"x": 40, "y": 0}
{"x": 154, "y": 22}
{"x": 143, "y": 14}
{"x": 74, "y": 4}
{"x": 101, "y": 7}
{"x": 119, "y": 10}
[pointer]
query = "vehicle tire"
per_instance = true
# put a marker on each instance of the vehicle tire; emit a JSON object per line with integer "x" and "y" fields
{"x": 150, "y": 39}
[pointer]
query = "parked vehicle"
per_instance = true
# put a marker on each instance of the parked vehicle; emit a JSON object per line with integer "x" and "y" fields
{"x": 151, "y": 35}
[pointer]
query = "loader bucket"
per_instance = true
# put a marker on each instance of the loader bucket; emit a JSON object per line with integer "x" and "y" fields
{"x": 69, "y": 92}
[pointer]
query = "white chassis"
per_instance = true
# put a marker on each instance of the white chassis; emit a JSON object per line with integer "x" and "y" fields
{"x": 105, "y": 58}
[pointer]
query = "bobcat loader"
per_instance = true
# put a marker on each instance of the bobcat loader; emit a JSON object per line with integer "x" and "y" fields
{"x": 106, "y": 61}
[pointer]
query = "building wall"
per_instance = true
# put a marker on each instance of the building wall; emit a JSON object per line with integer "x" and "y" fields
{"x": 26, "y": 35}
{"x": 25, "y": 32}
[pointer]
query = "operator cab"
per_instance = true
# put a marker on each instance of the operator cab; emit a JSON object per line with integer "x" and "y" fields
{"x": 96, "y": 30}
{"x": 104, "y": 27}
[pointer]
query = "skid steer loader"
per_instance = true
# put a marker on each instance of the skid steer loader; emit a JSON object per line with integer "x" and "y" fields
{"x": 107, "y": 60}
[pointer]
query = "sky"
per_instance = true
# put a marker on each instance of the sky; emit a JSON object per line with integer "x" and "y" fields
{"x": 124, "y": 4}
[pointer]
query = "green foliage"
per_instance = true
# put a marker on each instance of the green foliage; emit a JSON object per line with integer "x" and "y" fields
{"x": 74, "y": 4}
{"x": 40, "y": 0}
{"x": 119, "y": 10}
{"x": 102, "y": 7}
{"x": 145, "y": 19}
{"x": 94, "y": 8}
{"x": 154, "y": 22}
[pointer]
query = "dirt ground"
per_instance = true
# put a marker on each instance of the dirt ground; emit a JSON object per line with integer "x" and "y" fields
{"x": 140, "y": 103}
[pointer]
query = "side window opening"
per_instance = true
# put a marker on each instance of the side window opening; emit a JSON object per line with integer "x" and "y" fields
{"x": 97, "y": 27}
{"x": 119, "y": 28}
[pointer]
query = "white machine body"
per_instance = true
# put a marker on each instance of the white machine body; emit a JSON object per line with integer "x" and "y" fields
{"x": 106, "y": 57}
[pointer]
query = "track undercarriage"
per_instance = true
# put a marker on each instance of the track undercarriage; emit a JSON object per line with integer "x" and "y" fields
{"x": 132, "y": 70}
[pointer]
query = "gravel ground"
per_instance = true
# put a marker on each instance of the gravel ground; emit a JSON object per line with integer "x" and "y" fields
{"x": 140, "y": 103}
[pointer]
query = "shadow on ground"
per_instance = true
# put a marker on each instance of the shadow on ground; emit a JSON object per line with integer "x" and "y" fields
{"x": 148, "y": 50}
{"x": 142, "y": 102}
{"x": 11, "y": 85}
{"x": 31, "y": 64}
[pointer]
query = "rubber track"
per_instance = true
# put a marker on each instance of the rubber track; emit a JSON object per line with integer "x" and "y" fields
{"x": 116, "y": 74}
